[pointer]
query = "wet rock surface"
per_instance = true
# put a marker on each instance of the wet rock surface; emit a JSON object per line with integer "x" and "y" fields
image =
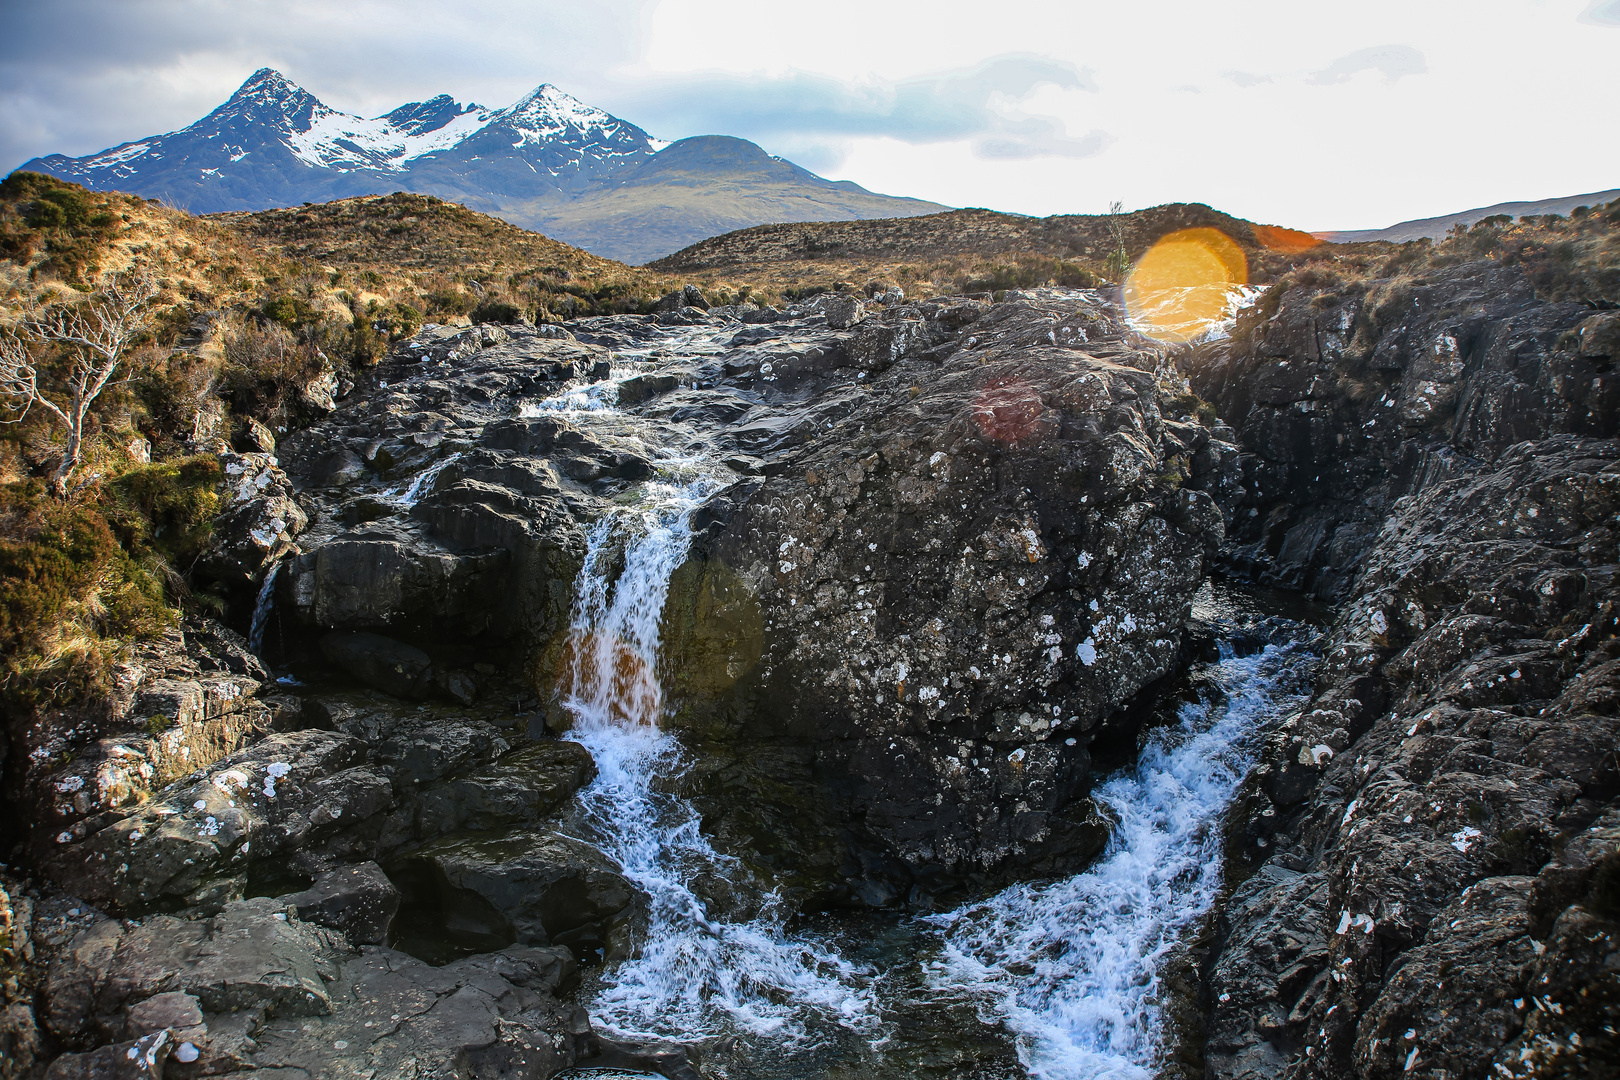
{"x": 898, "y": 646}
{"x": 1427, "y": 838}
{"x": 953, "y": 545}
{"x": 951, "y": 541}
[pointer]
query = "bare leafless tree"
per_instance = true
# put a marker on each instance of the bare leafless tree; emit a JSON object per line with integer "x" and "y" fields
{"x": 98, "y": 332}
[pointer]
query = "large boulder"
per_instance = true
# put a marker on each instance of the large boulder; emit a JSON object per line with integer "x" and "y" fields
{"x": 844, "y": 311}
{"x": 900, "y": 646}
{"x": 260, "y": 519}
{"x": 537, "y": 888}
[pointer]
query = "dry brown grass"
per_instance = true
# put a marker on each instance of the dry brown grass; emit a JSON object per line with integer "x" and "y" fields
{"x": 963, "y": 250}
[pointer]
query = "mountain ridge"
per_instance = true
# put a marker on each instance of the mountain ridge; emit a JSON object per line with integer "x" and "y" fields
{"x": 1435, "y": 227}
{"x": 274, "y": 144}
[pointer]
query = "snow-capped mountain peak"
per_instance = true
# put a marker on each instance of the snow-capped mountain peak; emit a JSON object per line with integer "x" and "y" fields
{"x": 267, "y": 97}
{"x": 421, "y": 117}
{"x": 271, "y": 118}
{"x": 547, "y": 114}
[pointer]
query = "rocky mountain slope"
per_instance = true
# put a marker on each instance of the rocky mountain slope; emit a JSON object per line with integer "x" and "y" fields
{"x": 273, "y": 144}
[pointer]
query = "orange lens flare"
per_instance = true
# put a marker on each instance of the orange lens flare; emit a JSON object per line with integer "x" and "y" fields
{"x": 593, "y": 662}
{"x": 1277, "y": 238}
{"x": 1184, "y": 284}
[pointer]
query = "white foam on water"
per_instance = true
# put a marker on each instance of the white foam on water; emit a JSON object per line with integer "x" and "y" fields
{"x": 423, "y": 481}
{"x": 589, "y": 397}
{"x": 693, "y": 975}
{"x": 1073, "y": 968}
{"x": 1169, "y": 315}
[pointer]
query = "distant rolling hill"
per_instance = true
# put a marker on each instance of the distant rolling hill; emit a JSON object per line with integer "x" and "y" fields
{"x": 981, "y": 248}
{"x": 703, "y": 187}
{"x": 1436, "y": 227}
{"x": 548, "y": 162}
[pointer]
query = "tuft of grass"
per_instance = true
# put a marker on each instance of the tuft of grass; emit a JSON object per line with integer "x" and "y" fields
{"x": 71, "y": 598}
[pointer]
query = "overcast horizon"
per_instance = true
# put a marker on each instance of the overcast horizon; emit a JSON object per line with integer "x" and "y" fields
{"x": 1346, "y": 119}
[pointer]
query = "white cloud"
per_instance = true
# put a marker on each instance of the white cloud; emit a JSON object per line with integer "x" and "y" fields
{"x": 1245, "y": 79}
{"x": 1315, "y": 117}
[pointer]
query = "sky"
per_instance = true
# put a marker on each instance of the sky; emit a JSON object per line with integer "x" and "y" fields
{"x": 1321, "y": 115}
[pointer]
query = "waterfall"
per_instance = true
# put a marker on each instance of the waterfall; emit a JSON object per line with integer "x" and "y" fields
{"x": 1073, "y": 967}
{"x": 693, "y": 974}
{"x": 262, "y": 607}
{"x": 423, "y": 480}
{"x": 1069, "y": 971}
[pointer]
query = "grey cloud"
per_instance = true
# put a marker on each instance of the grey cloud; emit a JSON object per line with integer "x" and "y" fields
{"x": 1602, "y": 13}
{"x": 973, "y": 105}
{"x": 80, "y": 75}
{"x": 1394, "y": 61}
{"x": 1245, "y": 79}
{"x": 77, "y": 76}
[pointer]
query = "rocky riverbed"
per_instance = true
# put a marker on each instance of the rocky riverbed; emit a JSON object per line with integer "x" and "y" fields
{"x": 611, "y": 680}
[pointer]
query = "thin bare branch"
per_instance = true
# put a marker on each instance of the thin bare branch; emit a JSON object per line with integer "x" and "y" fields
{"x": 99, "y": 331}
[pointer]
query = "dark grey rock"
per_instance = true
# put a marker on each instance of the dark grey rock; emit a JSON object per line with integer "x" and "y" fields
{"x": 844, "y": 311}
{"x": 1430, "y": 830}
{"x": 358, "y": 900}
{"x": 519, "y": 789}
{"x": 391, "y": 666}
{"x": 530, "y": 889}
{"x": 339, "y": 468}
{"x": 941, "y": 599}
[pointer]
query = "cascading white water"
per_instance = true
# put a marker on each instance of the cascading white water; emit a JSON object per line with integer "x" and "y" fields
{"x": 263, "y": 605}
{"x": 1073, "y": 968}
{"x": 1070, "y": 968}
{"x": 423, "y": 480}
{"x": 692, "y": 974}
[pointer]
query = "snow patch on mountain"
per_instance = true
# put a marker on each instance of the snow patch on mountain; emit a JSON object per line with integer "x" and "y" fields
{"x": 326, "y": 138}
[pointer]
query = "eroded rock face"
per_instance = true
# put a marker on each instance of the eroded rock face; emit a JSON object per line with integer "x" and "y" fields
{"x": 179, "y": 703}
{"x": 1431, "y": 829}
{"x": 913, "y": 631}
{"x": 1341, "y": 411}
{"x": 260, "y": 520}
{"x": 205, "y": 982}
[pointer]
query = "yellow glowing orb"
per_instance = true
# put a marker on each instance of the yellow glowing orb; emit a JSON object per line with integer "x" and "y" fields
{"x": 1185, "y": 284}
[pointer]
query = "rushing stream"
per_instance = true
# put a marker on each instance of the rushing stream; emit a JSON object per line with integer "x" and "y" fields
{"x": 1059, "y": 980}
{"x": 1072, "y": 967}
